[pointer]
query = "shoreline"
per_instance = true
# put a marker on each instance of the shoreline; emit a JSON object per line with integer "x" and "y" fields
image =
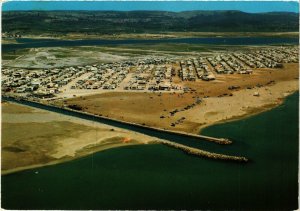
{"x": 170, "y": 35}
{"x": 69, "y": 138}
{"x": 252, "y": 110}
{"x": 59, "y": 161}
{"x": 258, "y": 111}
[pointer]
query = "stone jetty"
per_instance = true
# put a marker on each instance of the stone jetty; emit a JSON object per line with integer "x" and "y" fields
{"x": 203, "y": 153}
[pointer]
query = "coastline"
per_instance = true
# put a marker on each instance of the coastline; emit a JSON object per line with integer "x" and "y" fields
{"x": 58, "y": 161}
{"x": 82, "y": 36}
{"x": 254, "y": 112}
{"x": 276, "y": 99}
{"x": 45, "y": 138}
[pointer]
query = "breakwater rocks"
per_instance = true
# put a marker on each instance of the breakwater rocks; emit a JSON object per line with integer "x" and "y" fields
{"x": 216, "y": 140}
{"x": 202, "y": 153}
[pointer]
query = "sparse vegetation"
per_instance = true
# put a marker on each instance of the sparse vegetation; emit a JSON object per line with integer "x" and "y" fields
{"x": 57, "y": 23}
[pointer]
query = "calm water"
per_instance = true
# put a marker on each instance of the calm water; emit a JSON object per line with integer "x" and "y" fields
{"x": 38, "y": 43}
{"x": 158, "y": 177}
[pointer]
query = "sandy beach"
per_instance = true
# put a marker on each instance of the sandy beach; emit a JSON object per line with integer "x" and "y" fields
{"x": 33, "y": 137}
{"x": 244, "y": 103}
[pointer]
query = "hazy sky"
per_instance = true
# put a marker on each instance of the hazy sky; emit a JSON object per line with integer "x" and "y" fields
{"x": 246, "y": 6}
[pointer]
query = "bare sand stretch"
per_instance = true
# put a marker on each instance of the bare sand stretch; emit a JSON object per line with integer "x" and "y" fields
{"x": 243, "y": 104}
{"x": 33, "y": 137}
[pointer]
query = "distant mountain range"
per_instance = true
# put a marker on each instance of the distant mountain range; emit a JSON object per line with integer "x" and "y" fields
{"x": 115, "y": 22}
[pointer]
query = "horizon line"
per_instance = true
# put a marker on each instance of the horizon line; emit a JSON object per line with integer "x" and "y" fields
{"x": 254, "y": 6}
{"x": 78, "y": 10}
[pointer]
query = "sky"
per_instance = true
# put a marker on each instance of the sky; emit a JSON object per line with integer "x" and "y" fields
{"x": 176, "y": 6}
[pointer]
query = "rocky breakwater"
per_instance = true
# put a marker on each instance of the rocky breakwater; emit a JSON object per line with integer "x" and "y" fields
{"x": 203, "y": 153}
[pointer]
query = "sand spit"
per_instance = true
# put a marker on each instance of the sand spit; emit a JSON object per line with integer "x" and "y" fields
{"x": 242, "y": 104}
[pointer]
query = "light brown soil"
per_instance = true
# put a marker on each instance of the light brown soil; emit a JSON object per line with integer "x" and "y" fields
{"x": 32, "y": 138}
{"x": 13, "y": 109}
{"x": 143, "y": 108}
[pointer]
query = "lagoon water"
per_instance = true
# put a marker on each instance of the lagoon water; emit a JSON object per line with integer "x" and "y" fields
{"x": 39, "y": 43}
{"x": 159, "y": 177}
